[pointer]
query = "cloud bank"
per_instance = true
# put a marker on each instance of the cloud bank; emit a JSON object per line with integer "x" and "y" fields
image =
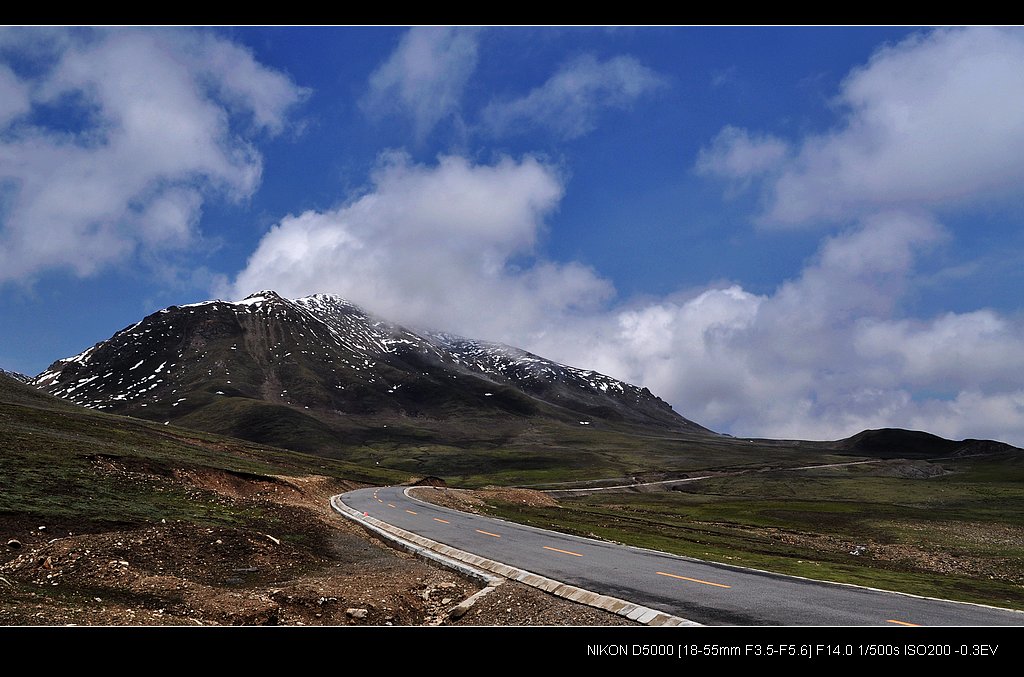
{"x": 934, "y": 121}
{"x": 450, "y": 246}
{"x": 111, "y": 141}
{"x": 928, "y": 124}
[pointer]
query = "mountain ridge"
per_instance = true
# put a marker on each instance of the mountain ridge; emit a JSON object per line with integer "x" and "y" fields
{"x": 321, "y": 375}
{"x": 320, "y": 362}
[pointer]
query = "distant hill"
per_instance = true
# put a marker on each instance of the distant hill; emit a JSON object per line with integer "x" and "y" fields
{"x": 17, "y": 391}
{"x": 15, "y": 375}
{"x": 899, "y": 443}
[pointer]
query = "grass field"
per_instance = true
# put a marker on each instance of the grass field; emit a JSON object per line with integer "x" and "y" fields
{"x": 56, "y": 459}
{"x": 957, "y": 535}
{"x": 952, "y": 528}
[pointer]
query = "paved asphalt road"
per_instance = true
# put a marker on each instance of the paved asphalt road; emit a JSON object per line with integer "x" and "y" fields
{"x": 713, "y": 594}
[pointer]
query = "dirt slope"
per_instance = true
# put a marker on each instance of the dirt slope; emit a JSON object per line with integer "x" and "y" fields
{"x": 177, "y": 573}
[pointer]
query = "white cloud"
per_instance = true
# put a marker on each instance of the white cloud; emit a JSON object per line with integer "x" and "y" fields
{"x": 954, "y": 351}
{"x": 736, "y": 154}
{"x": 825, "y": 355}
{"x": 153, "y": 131}
{"x": 425, "y": 76}
{"x": 243, "y": 85}
{"x": 440, "y": 246}
{"x": 932, "y": 121}
{"x": 571, "y": 99}
{"x": 976, "y": 414}
{"x": 14, "y": 98}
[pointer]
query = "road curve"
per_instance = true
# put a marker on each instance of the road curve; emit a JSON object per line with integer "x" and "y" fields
{"x": 704, "y": 592}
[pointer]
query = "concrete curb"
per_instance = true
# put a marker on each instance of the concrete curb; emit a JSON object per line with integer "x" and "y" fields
{"x": 454, "y": 558}
{"x": 388, "y": 532}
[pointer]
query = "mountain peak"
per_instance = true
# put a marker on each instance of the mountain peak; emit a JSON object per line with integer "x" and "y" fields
{"x": 264, "y": 295}
{"x": 267, "y": 365}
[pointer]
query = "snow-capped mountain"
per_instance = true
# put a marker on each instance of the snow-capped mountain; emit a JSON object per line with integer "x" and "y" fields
{"x": 269, "y": 361}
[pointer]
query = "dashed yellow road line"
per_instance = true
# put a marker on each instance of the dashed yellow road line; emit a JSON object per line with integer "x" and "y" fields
{"x": 567, "y": 552}
{"x": 438, "y": 519}
{"x": 487, "y": 533}
{"x": 909, "y": 625}
{"x": 694, "y": 580}
{"x": 411, "y": 512}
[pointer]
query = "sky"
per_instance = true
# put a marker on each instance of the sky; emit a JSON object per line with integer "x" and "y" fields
{"x": 794, "y": 232}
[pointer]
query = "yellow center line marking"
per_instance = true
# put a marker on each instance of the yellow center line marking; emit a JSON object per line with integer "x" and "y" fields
{"x": 438, "y": 519}
{"x": 411, "y": 512}
{"x": 695, "y": 580}
{"x": 487, "y": 533}
{"x": 391, "y": 505}
{"x": 567, "y": 552}
{"x": 909, "y": 625}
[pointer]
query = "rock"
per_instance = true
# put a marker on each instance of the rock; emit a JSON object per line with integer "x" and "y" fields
{"x": 14, "y": 543}
{"x": 458, "y": 612}
{"x": 356, "y": 613}
{"x": 430, "y": 481}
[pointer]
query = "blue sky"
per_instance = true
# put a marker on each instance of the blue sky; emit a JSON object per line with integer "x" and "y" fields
{"x": 785, "y": 232}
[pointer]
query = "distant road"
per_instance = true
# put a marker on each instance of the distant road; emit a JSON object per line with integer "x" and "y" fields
{"x": 682, "y": 480}
{"x": 704, "y": 592}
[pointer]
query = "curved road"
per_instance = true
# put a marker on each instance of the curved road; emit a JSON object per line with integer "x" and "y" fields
{"x": 705, "y": 592}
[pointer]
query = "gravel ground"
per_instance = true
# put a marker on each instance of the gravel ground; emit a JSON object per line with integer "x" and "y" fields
{"x": 324, "y": 571}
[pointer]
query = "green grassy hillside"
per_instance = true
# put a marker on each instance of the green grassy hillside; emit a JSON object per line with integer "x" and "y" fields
{"x": 56, "y": 456}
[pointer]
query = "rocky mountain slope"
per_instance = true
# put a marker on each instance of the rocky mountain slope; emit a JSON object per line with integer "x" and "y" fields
{"x": 314, "y": 372}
